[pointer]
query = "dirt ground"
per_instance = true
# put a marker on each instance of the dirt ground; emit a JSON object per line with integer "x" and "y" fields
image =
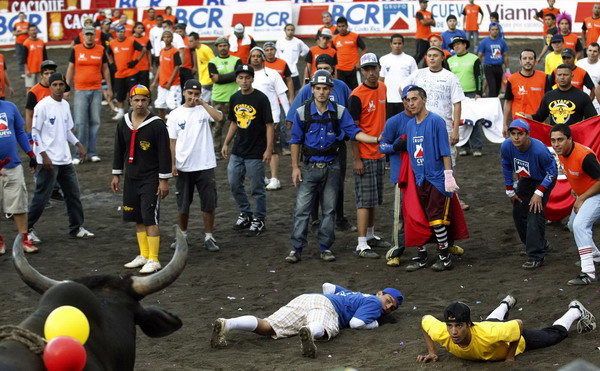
{"x": 249, "y": 275}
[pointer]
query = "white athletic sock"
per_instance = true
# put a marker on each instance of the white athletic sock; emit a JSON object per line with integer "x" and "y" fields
{"x": 243, "y": 323}
{"x": 208, "y": 236}
{"x": 121, "y": 110}
{"x": 185, "y": 234}
{"x": 587, "y": 261}
{"x": 499, "y": 312}
{"x": 362, "y": 244}
{"x": 370, "y": 232}
{"x": 572, "y": 315}
{"x": 317, "y": 330}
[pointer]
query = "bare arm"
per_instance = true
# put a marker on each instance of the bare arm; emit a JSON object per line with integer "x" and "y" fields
{"x": 230, "y": 134}
{"x": 269, "y": 151}
{"x": 172, "y": 144}
{"x": 212, "y": 111}
{"x": 431, "y": 355}
{"x": 290, "y": 86}
{"x": 70, "y": 73}
{"x": 296, "y": 172}
{"x": 512, "y": 346}
{"x": 173, "y": 76}
{"x": 507, "y": 116}
{"x": 454, "y": 138}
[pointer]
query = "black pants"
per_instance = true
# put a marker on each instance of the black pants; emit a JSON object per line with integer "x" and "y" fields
{"x": 339, "y": 207}
{"x": 349, "y": 77}
{"x": 537, "y": 339}
{"x": 531, "y": 226}
{"x": 493, "y": 75}
{"x": 143, "y": 77}
{"x": 422, "y": 46}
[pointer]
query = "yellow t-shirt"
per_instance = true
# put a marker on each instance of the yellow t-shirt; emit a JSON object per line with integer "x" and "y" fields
{"x": 204, "y": 54}
{"x": 489, "y": 340}
{"x": 553, "y": 60}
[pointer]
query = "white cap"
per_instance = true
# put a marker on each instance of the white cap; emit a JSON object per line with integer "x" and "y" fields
{"x": 369, "y": 59}
{"x": 326, "y": 32}
{"x": 238, "y": 28}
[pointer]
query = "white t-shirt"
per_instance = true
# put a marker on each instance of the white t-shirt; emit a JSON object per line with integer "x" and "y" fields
{"x": 594, "y": 71}
{"x": 443, "y": 90}
{"x": 194, "y": 150}
{"x": 51, "y": 129}
{"x": 270, "y": 83}
{"x": 155, "y": 36}
{"x": 290, "y": 51}
{"x": 394, "y": 70}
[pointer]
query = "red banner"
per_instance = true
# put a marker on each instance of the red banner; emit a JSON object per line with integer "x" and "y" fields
{"x": 65, "y": 26}
{"x": 15, "y": 6}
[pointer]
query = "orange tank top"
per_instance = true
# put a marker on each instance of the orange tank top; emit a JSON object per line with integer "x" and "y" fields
{"x": 579, "y": 180}
{"x": 372, "y": 116}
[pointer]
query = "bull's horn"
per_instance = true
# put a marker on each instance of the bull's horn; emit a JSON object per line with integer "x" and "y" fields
{"x": 28, "y": 274}
{"x": 158, "y": 281}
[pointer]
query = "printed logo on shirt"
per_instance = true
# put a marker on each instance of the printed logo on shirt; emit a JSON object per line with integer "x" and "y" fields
{"x": 244, "y": 115}
{"x": 52, "y": 120}
{"x": 82, "y": 57}
{"x": 561, "y": 110}
{"x": 418, "y": 152}
{"x": 576, "y": 173}
{"x": 522, "y": 90}
{"x": 116, "y": 49}
{"x": 4, "y": 129}
{"x": 127, "y": 208}
{"x": 371, "y": 107}
{"x": 181, "y": 125}
{"x": 145, "y": 145}
{"x": 522, "y": 168}
{"x": 496, "y": 51}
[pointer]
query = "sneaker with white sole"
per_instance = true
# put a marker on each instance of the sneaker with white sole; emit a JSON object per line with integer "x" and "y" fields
{"x": 28, "y": 247}
{"x": 150, "y": 267}
{"x": 510, "y": 301}
{"x": 76, "y": 161}
{"x": 587, "y": 321}
{"x": 83, "y": 233}
{"x": 368, "y": 253}
{"x": 33, "y": 237}
{"x": 418, "y": 262}
{"x": 119, "y": 115}
{"x": 327, "y": 256}
{"x": 95, "y": 159}
{"x": 274, "y": 184}
{"x": 219, "y": 333}
{"x": 211, "y": 245}
{"x": 257, "y": 227}
{"x": 293, "y": 257}
{"x": 443, "y": 263}
{"x": 582, "y": 279}
{"x": 309, "y": 349}
{"x": 243, "y": 222}
{"x": 139, "y": 261}
{"x": 378, "y": 242}
{"x": 2, "y": 246}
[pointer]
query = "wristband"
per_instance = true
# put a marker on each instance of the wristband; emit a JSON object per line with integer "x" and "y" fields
{"x": 539, "y": 193}
{"x": 30, "y": 154}
{"x": 511, "y": 193}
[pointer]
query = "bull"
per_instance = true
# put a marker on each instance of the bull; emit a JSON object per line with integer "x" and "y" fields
{"x": 111, "y": 305}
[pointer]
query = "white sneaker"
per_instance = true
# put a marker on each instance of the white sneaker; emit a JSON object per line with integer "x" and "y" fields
{"x": 104, "y": 103}
{"x": 33, "y": 237}
{"x": 76, "y": 161}
{"x": 119, "y": 115}
{"x": 83, "y": 233}
{"x": 139, "y": 261}
{"x": 274, "y": 184}
{"x": 267, "y": 180}
{"x": 510, "y": 301}
{"x": 150, "y": 267}
{"x": 95, "y": 159}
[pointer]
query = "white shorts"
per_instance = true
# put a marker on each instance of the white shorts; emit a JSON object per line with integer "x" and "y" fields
{"x": 206, "y": 94}
{"x": 170, "y": 98}
{"x": 301, "y": 311}
{"x": 13, "y": 191}
{"x": 31, "y": 80}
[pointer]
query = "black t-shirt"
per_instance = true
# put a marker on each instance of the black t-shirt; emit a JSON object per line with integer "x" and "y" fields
{"x": 565, "y": 107}
{"x": 252, "y": 113}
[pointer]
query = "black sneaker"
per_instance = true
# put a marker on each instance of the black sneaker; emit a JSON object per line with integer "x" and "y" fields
{"x": 57, "y": 196}
{"x": 443, "y": 263}
{"x": 243, "y": 222}
{"x": 532, "y": 264}
{"x": 377, "y": 241}
{"x": 256, "y": 227}
{"x": 417, "y": 262}
{"x": 293, "y": 257}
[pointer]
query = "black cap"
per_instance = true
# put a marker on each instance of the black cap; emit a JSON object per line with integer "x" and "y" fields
{"x": 48, "y": 64}
{"x": 324, "y": 58}
{"x": 568, "y": 52}
{"x": 180, "y": 26}
{"x": 192, "y": 84}
{"x": 457, "y": 312}
{"x": 244, "y": 68}
{"x": 459, "y": 38}
{"x": 56, "y": 76}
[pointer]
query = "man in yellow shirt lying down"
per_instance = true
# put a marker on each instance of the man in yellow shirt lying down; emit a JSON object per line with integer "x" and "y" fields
{"x": 496, "y": 338}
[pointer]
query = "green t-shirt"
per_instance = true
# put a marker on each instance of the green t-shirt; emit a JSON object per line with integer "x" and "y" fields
{"x": 222, "y": 92}
{"x": 464, "y": 68}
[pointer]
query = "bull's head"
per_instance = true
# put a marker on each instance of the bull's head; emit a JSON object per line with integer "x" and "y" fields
{"x": 244, "y": 114}
{"x": 561, "y": 110}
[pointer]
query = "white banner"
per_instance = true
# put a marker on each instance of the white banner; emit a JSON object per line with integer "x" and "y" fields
{"x": 486, "y": 111}
{"x": 8, "y": 20}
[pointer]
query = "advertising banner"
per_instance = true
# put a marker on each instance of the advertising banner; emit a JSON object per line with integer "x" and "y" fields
{"x": 7, "y": 21}
{"x": 65, "y": 26}
{"x": 15, "y": 6}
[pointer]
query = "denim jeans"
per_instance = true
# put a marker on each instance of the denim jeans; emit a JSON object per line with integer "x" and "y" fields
{"x": 339, "y": 208}
{"x": 581, "y": 224}
{"x": 236, "y": 173}
{"x": 87, "y": 107}
{"x": 326, "y": 182}
{"x": 66, "y": 177}
{"x": 475, "y": 41}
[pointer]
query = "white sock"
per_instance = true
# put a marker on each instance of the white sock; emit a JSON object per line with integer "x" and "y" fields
{"x": 208, "y": 236}
{"x": 121, "y": 110}
{"x": 587, "y": 261}
{"x": 499, "y": 312}
{"x": 317, "y": 330}
{"x": 572, "y": 315}
{"x": 185, "y": 234}
{"x": 370, "y": 232}
{"x": 243, "y": 323}
{"x": 362, "y": 244}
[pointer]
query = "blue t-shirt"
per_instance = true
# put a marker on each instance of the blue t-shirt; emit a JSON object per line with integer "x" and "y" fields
{"x": 11, "y": 132}
{"x": 340, "y": 95}
{"x": 447, "y": 37}
{"x": 350, "y": 304}
{"x": 395, "y": 127}
{"x": 536, "y": 162}
{"x": 426, "y": 144}
{"x": 492, "y": 50}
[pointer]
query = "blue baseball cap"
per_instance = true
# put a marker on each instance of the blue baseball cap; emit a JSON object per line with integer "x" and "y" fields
{"x": 119, "y": 28}
{"x": 520, "y": 125}
{"x": 406, "y": 89}
{"x": 395, "y": 293}
{"x": 557, "y": 38}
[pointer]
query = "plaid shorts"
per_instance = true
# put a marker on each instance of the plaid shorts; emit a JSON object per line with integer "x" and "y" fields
{"x": 301, "y": 311}
{"x": 369, "y": 186}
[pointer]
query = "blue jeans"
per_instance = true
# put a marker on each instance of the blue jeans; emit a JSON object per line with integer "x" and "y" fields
{"x": 325, "y": 182}
{"x": 475, "y": 41}
{"x": 581, "y": 223}
{"x": 236, "y": 173}
{"x": 66, "y": 177}
{"x": 87, "y": 107}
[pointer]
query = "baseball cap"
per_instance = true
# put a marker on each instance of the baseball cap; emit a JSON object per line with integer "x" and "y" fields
{"x": 568, "y": 52}
{"x": 139, "y": 89}
{"x": 56, "y": 76}
{"x": 48, "y": 64}
{"x": 244, "y": 68}
{"x": 520, "y": 125}
{"x": 192, "y": 84}
{"x": 406, "y": 89}
{"x": 326, "y": 32}
{"x": 324, "y": 58}
{"x": 88, "y": 30}
{"x": 238, "y": 28}
{"x": 423, "y": 1}
{"x": 492, "y": 24}
{"x": 107, "y": 21}
{"x": 180, "y": 26}
{"x": 459, "y": 38}
{"x": 435, "y": 35}
{"x": 269, "y": 44}
{"x": 368, "y": 59}
{"x": 221, "y": 40}
{"x": 436, "y": 48}
{"x": 119, "y": 28}
{"x": 557, "y": 38}
{"x": 457, "y": 312}
{"x": 396, "y": 294}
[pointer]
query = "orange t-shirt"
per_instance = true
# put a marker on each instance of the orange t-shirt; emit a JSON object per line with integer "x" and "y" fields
{"x": 143, "y": 64}
{"x": 168, "y": 60}
{"x": 123, "y": 52}
{"x": 471, "y": 13}
{"x": 243, "y": 51}
{"x": 148, "y": 24}
{"x": 97, "y": 37}
{"x": 21, "y": 26}
{"x": 171, "y": 18}
{"x": 372, "y": 116}
{"x": 88, "y": 66}
{"x": 526, "y": 92}
{"x": 571, "y": 41}
{"x": 579, "y": 180}
{"x": 592, "y": 33}
{"x": 578, "y": 77}
{"x": 545, "y": 11}
{"x": 278, "y": 65}
{"x": 423, "y": 32}
{"x": 35, "y": 54}
{"x": 40, "y": 91}
{"x": 347, "y": 51}
{"x": 187, "y": 55}
{"x": 315, "y": 51}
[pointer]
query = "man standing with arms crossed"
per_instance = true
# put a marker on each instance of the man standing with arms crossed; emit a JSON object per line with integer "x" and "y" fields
{"x": 424, "y": 20}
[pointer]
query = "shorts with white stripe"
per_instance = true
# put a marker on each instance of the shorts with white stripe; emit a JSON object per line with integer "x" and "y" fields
{"x": 301, "y": 311}
{"x": 140, "y": 201}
